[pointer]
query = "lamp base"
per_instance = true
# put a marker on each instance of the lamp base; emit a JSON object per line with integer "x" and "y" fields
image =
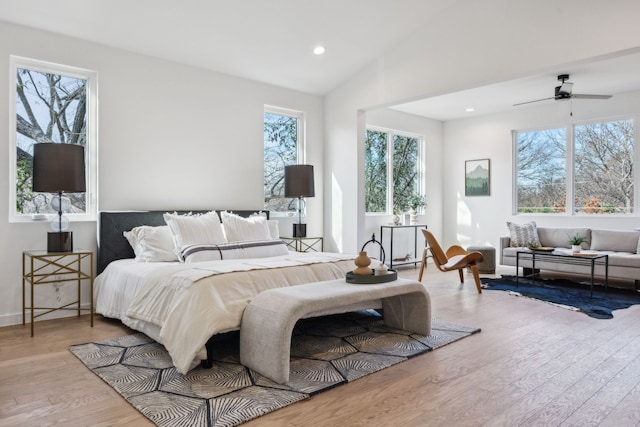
{"x": 60, "y": 241}
{"x": 299, "y": 230}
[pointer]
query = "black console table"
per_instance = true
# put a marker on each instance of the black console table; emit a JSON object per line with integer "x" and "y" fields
{"x": 389, "y": 229}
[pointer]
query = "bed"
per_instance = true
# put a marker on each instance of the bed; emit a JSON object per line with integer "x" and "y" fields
{"x": 187, "y": 303}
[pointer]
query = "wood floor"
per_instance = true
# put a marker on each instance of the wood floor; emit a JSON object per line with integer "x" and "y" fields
{"x": 532, "y": 365}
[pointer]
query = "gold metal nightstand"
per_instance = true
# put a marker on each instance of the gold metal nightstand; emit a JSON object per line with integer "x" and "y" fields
{"x": 42, "y": 267}
{"x": 304, "y": 244}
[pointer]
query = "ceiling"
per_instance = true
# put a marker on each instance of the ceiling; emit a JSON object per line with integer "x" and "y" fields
{"x": 265, "y": 40}
{"x": 604, "y": 77}
{"x": 272, "y": 42}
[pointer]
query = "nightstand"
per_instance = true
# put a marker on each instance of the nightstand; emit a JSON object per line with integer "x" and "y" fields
{"x": 304, "y": 244}
{"x": 42, "y": 267}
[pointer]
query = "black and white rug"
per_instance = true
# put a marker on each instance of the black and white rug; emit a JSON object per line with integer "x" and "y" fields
{"x": 325, "y": 352}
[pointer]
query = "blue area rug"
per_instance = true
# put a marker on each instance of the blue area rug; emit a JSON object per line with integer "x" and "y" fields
{"x": 568, "y": 294}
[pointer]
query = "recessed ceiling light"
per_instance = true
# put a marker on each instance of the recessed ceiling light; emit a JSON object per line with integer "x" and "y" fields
{"x": 469, "y": 109}
{"x": 319, "y": 50}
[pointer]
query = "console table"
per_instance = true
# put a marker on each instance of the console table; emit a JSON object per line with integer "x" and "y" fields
{"x": 390, "y": 230}
{"x": 584, "y": 259}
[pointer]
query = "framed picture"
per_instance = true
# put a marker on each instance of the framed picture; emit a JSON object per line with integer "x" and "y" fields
{"x": 476, "y": 177}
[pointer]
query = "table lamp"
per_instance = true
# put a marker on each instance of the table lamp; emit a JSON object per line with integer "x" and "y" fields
{"x": 298, "y": 182}
{"x": 58, "y": 168}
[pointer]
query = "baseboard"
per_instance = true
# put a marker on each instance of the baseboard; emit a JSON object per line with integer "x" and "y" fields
{"x": 16, "y": 318}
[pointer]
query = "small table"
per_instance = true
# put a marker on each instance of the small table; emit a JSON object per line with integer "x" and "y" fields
{"x": 558, "y": 257}
{"x": 304, "y": 244}
{"x": 415, "y": 260}
{"x": 42, "y": 267}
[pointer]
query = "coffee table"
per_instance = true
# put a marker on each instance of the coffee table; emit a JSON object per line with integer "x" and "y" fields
{"x": 587, "y": 259}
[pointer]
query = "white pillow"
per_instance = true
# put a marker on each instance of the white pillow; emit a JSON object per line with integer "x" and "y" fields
{"x": 152, "y": 244}
{"x": 238, "y": 229}
{"x": 523, "y": 234}
{"x": 274, "y": 229}
{"x": 195, "y": 229}
{"x": 233, "y": 250}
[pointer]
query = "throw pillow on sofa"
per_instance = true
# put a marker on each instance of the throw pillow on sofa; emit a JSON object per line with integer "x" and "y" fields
{"x": 523, "y": 234}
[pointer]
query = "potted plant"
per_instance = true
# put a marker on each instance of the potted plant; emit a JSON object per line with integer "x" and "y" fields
{"x": 415, "y": 202}
{"x": 576, "y": 242}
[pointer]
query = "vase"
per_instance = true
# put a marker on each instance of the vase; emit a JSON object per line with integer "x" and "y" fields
{"x": 362, "y": 263}
{"x": 396, "y": 219}
{"x": 413, "y": 217}
{"x": 575, "y": 249}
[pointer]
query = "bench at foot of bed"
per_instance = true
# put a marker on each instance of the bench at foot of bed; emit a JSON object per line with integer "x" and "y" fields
{"x": 268, "y": 321}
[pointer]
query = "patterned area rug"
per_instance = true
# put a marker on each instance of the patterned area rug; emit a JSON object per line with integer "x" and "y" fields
{"x": 325, "y": 352}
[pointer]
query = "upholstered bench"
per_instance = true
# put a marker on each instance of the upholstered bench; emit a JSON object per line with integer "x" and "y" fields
{"x": 268, "y": 321}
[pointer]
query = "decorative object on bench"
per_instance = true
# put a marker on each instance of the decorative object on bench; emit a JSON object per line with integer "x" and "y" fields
{"x": 567, "y": 294}
{"x": 268, "y": 320}
{"x": 140, "y": 370}
{"x": 456, "y": 258}
{"x": 367, "y": 275}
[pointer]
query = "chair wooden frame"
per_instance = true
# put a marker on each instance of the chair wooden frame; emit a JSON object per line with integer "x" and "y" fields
{"x": 455, "y": 258}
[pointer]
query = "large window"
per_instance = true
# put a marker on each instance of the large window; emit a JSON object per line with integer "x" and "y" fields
{"x": 55, "y": 104}
{"x": 392, "y": 170}
{"x": 582, "y": 169}
{"x": 283, "y": 145}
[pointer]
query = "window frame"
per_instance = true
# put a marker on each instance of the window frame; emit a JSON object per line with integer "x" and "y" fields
{"x": 300, "y": 116}
{"x": 570, "y": 208}
{"x": 91, "y": 148}
{"x": 420, "y": 187}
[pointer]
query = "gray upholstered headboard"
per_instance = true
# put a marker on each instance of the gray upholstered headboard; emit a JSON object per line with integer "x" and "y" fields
{"x": 112, "y": 245}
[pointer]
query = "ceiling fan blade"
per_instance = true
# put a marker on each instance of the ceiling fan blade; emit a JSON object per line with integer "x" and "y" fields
{"x": 536, "y": 100}
{"x": 583, "y": 96}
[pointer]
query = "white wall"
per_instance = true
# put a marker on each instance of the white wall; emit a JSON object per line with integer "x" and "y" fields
{"x": 170, "y": 137}
{"x": 471, "y": 44}
{"x": 482, "y": 220}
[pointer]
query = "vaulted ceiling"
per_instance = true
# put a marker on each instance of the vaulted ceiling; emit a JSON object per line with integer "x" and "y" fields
{"x": 272, "y": 42}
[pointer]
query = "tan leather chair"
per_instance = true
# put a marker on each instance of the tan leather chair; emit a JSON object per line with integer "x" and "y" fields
{"x": 456, "y": 258}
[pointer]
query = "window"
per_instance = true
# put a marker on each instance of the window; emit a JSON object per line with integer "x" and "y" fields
{"x": 584, "y": 169}
{"x": 392, "y": 170}
{"x": 283, "y": 145}
{"x": 51, "y": 103}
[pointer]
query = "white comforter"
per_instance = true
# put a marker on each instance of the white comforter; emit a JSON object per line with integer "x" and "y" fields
{"x": 183, "y": 305}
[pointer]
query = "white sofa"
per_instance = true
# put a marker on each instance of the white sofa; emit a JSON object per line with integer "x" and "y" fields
{"x": 621, "y": 246}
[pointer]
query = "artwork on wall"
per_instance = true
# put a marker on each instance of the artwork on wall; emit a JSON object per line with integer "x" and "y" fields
{"x": 476, "y": 177}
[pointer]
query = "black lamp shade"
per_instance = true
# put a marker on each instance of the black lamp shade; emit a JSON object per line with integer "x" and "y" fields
{"x": 298, "y": 181}
{"x": 58, "y": 168}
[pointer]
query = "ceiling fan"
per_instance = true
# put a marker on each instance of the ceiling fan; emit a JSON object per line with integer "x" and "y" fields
{"x": 563, "y": 92}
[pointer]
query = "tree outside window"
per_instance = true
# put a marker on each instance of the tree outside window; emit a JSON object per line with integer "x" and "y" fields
{"x": 283, "y": 144}
{"x": 52, "y": 106}
{"x": 392, "y": 171}
{"x": 601, "y": 180}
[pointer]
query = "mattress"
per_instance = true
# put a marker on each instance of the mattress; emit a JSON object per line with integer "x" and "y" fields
{"x": 183, "y": 305}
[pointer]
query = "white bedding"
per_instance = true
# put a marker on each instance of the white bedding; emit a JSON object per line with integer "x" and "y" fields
{"x": 183, "y": 305}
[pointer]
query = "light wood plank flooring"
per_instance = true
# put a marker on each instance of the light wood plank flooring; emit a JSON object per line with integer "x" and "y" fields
{"x": 533, "y": 365}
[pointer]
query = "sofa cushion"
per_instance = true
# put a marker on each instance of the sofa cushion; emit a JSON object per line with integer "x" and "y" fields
{"x": 559, "y": 237}
{"x": 614, "y": 240}
{"x": 523, "y": 234}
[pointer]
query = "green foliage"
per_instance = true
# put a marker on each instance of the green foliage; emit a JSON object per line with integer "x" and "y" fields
{"x": 577, "y": 239}
{"x": 24, "y": 192}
